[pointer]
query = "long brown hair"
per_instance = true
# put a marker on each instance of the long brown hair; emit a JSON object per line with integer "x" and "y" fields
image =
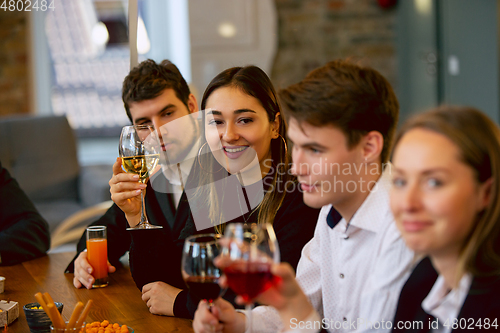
{"x": 478, "y": 140}
{"x": 254, "y": 82}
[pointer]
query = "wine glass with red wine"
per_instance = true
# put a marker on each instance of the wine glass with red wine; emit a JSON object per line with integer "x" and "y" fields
{"x": 248, "y": 252}
{"x": 198, "y": 269}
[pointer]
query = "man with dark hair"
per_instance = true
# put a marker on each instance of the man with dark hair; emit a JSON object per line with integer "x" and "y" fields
{"x": 342, "y": 119}
{"x": 149, "y": 80}
{"x": 158, "y": 95}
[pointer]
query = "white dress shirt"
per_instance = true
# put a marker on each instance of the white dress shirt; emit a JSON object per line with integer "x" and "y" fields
{"x": 353, "y": 273}
{"x": 176, "y": 180}
{"x": 445, "y": 304}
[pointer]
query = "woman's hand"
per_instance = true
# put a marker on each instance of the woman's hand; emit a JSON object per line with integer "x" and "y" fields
{"x": 222, "y": 317}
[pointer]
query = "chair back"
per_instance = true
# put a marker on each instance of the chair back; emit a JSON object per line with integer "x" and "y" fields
{"x": 40, "y": 153}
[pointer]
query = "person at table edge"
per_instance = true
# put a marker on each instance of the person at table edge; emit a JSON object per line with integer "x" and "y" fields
{"x": 24, "y": 233}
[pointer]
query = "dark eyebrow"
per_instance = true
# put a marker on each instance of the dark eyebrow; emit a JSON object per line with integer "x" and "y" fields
{"x": 239, "y": 111}
{"x": 243, "y": 111}
{"x": 218, "y": 113}
{"x": 313, "y": 144}
{"x": 168, "y": 106}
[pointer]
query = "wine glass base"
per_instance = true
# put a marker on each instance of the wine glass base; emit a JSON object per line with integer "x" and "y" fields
{"x": 143, "y": 226}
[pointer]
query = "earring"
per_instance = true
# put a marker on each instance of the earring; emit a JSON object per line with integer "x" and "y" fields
{"x": 199, "y": 160}
{"x": 284, "y": 143}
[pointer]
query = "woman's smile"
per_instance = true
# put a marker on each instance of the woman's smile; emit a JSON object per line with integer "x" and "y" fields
{"x": 234, "y": 152}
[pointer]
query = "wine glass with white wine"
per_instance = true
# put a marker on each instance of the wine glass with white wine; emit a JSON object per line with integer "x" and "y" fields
{"x": 140, "y": 152}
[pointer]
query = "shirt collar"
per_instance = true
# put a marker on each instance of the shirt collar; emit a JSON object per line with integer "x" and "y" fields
{"x": 171, "y": 171}
{"x": 443, "y": 303}
{"x": 333, "y": 217}
{"x": 375, "y": 210}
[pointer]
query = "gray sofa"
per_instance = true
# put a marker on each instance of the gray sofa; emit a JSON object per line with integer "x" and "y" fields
{"x": 40, "y": 152}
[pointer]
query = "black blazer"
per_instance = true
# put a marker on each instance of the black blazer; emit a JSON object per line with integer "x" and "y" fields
{"x": 159, "y": 209}
{"x": 483, "y": 301}
{"x": 24, "y": 233}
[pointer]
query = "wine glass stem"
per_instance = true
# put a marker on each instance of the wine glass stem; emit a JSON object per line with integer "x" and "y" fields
{"x": 143, "y": 208}
{"x": 248, "y": 310}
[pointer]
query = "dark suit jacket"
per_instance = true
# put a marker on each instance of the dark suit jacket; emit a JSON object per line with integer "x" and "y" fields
{"x": 24, "y": 234}
{"x": 155, "y": 255}
{"x": 483, "y": 300}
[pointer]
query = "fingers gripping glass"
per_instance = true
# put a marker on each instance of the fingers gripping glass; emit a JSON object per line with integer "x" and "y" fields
{"x": 140, "y": 152}
{"x": 198, "y": 269}
{"x": 248, "y": 252}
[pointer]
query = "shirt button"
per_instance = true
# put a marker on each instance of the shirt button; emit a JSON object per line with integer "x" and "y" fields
{"x": 346, "y": 237}
{"x": 341, "y": 275}
{"x": 344, "y": 319}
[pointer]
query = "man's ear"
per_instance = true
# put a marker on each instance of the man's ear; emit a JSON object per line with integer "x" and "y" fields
{"x": 373, "y": 143}
{"x": 192, "y": 104}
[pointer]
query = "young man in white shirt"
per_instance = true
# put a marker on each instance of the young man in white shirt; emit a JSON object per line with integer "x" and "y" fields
{"x": 342, "y": 118}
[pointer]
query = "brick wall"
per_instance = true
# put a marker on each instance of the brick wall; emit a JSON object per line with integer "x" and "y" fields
{"x": 14, "y": 96}
{"x": 313, "y": 32}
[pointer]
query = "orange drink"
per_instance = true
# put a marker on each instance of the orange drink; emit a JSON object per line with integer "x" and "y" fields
{"x": 97, "y": 255}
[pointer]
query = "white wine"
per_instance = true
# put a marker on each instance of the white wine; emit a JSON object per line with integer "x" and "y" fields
{"x": 140, "y": 165}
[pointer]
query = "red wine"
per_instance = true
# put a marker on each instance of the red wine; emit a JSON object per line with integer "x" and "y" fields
{"x": 206, "y": 288}
{"x": 249, "y": 279}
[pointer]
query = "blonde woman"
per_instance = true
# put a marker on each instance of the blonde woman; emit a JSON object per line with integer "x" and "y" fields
{"x": 445, "y": 199}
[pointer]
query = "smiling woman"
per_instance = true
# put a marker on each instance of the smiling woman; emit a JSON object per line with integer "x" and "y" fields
{"x": 238, "y": 130}
{"x": 445, "y": 200}
{"x": 244, "y": 164}
{"x": 245, "y": 133}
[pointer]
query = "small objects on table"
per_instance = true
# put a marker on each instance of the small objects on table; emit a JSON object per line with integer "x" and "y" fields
{"x": 9, "y": 311}
{"x": 106, "y": 326}
{"x": 76, "y": 321}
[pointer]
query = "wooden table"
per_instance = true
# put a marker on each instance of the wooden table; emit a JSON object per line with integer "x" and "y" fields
{"x": 119, "y": 302}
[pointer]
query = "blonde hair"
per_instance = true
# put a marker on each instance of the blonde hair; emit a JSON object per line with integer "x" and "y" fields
{"x": 478, "y": 140}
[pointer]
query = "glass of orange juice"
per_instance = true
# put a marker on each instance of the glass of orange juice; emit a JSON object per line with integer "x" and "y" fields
{"x": 97, "y": 255}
